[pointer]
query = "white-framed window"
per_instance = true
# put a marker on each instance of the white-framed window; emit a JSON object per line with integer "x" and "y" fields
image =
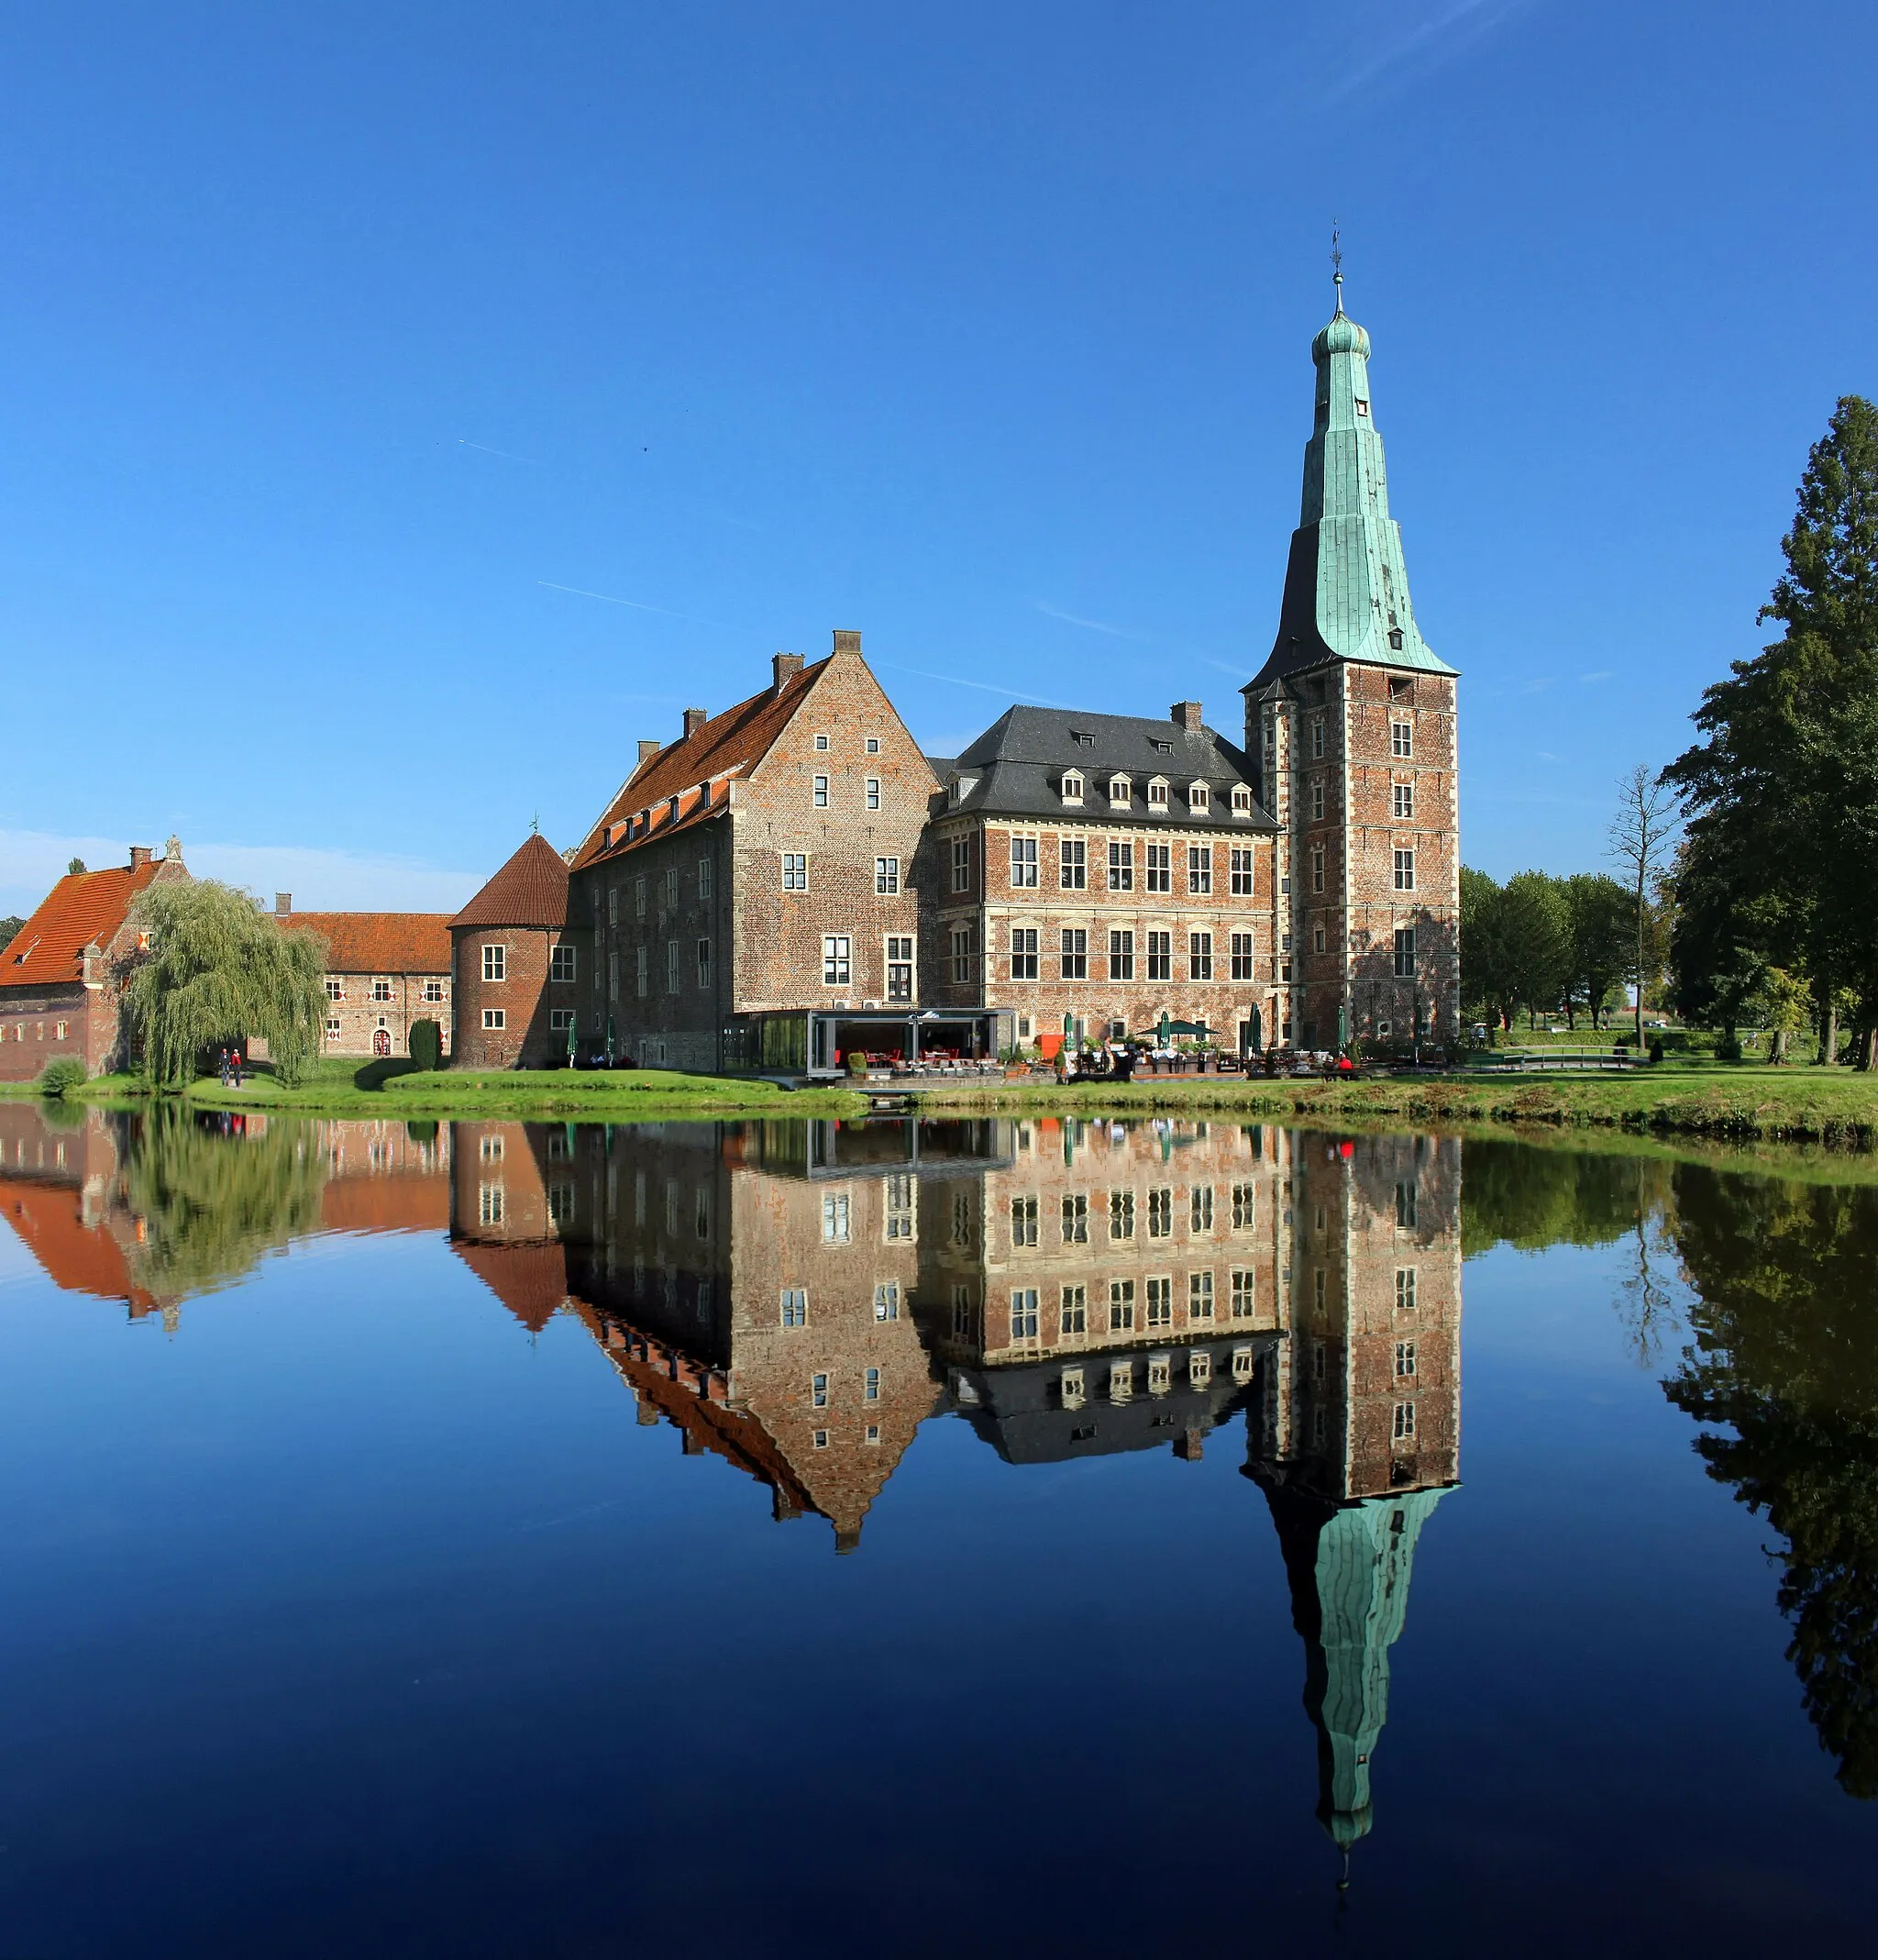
{"x": 887, "y": 1300}
{"x": 1242, "y": 957}
{"x": 561, "y": 1019}
{"x": 899, "y": 1224}
{"x": 1402, "y": 738}
{"x": 1023, "y": 863}
{"x": 870, "y": 1385}
{"x": 1160, "y": 956}
{"x": 433, "y": 990}
{"x": 837, "y": 1218}
{"x": 1403, "y": 1428}
{"x": 1405, "y": 870}
{"x": 671, "y": 888}
{"x": 642, "y": 976}
{"x": 1023, "y": 1313}
{"x": 704, "y": 876}
{"x": 380, "y": 990}
{"x": 1024, "y": 952}
{"x": 1073, "y": 864}
{"x": 1122, "y": 1217}
{"x": 1073, "y": 1315}
{"x": 1072, "y": 786}
{"x": 491, "y": 1149}
{"x": 704, "y": 963}
{"x": 1200, "y": 1296}
{"x": 332, "y": 1030}
{"x": 1157, "y": 792}
{"x": 1405, "y": 1358}
{"x": 495, "y": 962}
{"x": 1121, "y": 956}
{"x": 1120, "y": 864}
{"x": 1317, "y": 939}
{"x": 1120, "y": 1306}
{"x": 671, "y": 965}
{"x": 1404, "y": 1289}
{"x": 819, "y": 1437}
{"x": 818, "y": 796}
{"x": 899, "y": 966}
{"x": 795, "y": 870}
{"x": 1244, "y": 1207}
{"x": 1199, "y": 956}
{"x": 1405, "y": 952}
{"x": 886, "y": 877}
{"x": 838, "y": 961}
{"x": 822, "y": 743}
{"x": 612, "y": 905}
{"x": 1402, "y": 796}
{"x": 639, "y": 896}
{"x": 1317, "y": 738}
{"x": 873, "y": 745}
{"x": 1023, "y": 1222}
{"x": 560, "y": 964}
{"x": 1199, "y": 869}
{"x": 1075, "y": 953}
{"x": 1317, "y": 869}
{"x": 818, "y": 1395}
{"x": 1242, "y": 800}
{"x": 1160, "y": 1304}
{"x": 1317, "y": 802}
{"x": 873, "y": 792}
{"x": 961, "y": 864}
{"x": 795, "y": 1306}
{"x": 1160, "y": 876}
{"x": 1199, "y": 799}
{"x": 488, "y": 1203}
{"x": 335, "y": 991}
{"x": 1243, "y": 1295}
{"x": 1122, "y": 790}
{"x": 1075, "y": 1218}
{"x": 962, "y": 954}
{"x": 495, "y": 1018}
{"x": 1200, "y": 1210}
{"x": 1242, "y": 870}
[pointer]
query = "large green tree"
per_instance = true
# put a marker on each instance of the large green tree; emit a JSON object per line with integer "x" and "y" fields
{"x": 217, "y": 968}
{"x": 1536, "y": 933}
{"x": 1484, "y": 984}
{"x": 1601, "y": 917}
{"x": 9, "y": 930}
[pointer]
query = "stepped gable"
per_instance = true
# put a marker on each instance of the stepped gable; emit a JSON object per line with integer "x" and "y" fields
{"x": 378, "y": 942}
{"x": 82, "y": 909}
{"x": 733, "y": 742}
{"x": 530, "y": 890}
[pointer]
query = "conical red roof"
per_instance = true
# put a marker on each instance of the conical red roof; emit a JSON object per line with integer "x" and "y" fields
{"x": 531, "y": 889}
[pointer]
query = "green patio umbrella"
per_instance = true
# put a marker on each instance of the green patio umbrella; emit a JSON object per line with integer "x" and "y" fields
{"x": 1166, "y": 1029}
{"x": 570, "y": 1041}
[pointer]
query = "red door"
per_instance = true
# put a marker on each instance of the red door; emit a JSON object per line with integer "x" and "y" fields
{"x": 380, "y": 1042}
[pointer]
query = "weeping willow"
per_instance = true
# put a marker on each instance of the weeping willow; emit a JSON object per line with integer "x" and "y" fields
{"x": 217, "y": 968}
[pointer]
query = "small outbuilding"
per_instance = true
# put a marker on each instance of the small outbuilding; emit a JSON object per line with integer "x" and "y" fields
{"x": 516, "y": 965}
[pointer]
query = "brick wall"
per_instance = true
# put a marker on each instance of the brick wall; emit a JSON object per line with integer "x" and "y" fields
{"x": 360, "y": 1015}
{"x": 524, "y": 997}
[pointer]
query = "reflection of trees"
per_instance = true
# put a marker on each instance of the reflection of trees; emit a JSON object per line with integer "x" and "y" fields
{"x": 208, "y": 1206}
{"x": 1528, "y": 1198}
{"x": 1786, "y": 1356}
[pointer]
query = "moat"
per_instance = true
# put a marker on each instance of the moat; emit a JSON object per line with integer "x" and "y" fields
{"x": 892, "y": 1537}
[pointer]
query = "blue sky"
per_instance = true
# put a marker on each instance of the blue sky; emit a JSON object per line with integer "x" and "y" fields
{"x": 346, "y": 352}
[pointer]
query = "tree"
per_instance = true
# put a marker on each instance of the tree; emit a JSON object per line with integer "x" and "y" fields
{"x": 1787, "y": 999}
{"x": 9, "y": 930}
{"x": 1536, "y": 933}
{"x": 426, "y": 1045}
{"x": 217, "y": 968}
{"x": 1639, "y": 835}
{"x": 1600, "y": 917}
{"x": 1484, "y": 987}
{"x": 74, "y": 868}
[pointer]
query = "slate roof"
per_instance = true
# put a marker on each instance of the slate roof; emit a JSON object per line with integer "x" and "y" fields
{"x": 378, "y": 942}
{"x": 1019, "y": 761}
{"x": 81, "y": 907}
{"x": 531, "y": 889}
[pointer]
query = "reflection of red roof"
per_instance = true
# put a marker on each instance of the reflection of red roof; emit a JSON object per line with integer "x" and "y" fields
{"x": 737, "y": 739}
{"x": 379, "y": 942}
{"x": 81, "y": 907}
{"x": 531, "y": 889}
{"x": 78, "y": 1259}
{"x": 531, "y": 1280}
{"x": 407, "y": 1203}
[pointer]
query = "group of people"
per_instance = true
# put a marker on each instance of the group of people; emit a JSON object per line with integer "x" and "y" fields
{"x": 232, "y": 1066}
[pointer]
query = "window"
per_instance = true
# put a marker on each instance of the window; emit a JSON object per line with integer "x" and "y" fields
{"x": 1023, "y": 863}
{"x": 961, "y": 864}
{"x": 837, "y": 1218}
{"x": 873, "y": 792}
{"x": 495, "y": 962}
{"x": 1122, "y": 1215}
{"x": 1199, "y": 956}
{"x": 1160, "y": 1304}
{"x": 886, "y": 877}
{"x": 899, "y": 966}
{"x": 494, "y": 1017}
{"x": 1242, "y": 957}
{"x": 838, "y": 961}
{"x": 1073, "y": 1317}
{"x": 1121, "y": 956}
{"x": 1404, "y": 1431}
{"x": 1023, "y": 1222}
{"x": 1075, "y": 953}
{"x": 492, "y": 1149}
{"x": 1120, "y": 1305}
{"x": 1200, "y": 1209}
{"x": 1318, "y": 1280}
{"x": 561, "y": 1019}
{"x": 795, "y": 1306}
{"x": 962, "y": 954}
{"x": 1161, "y": 1213}
{"x": 1073, "y": 864}
{"x": 671, "y": 965}
{"x": 1317, "y": 869}
{"x": 961, "y": 1313}
{"x": 1199, "y": 1364}
{"x": 1157, "y": 792}
{"x": 1120, "y": 790}
{"x": 1242, "y": 800}
{"x": 560, "y": 963}
{"x": 332, "y": 1031}
{"x": 1121, "y": 1375}
{"x": 820, "y": 796}
{"x": 1241, "y": 870}
{"x": 873, "y": 745}
{"x": 819, "y": 1438}
{"x": 1361, "y": 406}
{"x": 671, "y": 888}
{"x": 1160, "y": 956}
{"x": 489, "y": 1207}
{"x": 1316, "y": 737}
{"x": 1405, "y": 1358}
{"x": 1404, "y": 795}
{"x": 1244, "y": 1207}
{"x": 433, "y": 990}
{"x": 1072, "y": 786}
{"x": 1405, "y": 1207}
{"x": 818, "y": 1393}
{"x": 639, "y": 898}
{"x": 1402, "y": 738}
{"x": 1404, "y": 1289}
{"x": 380, "y": 990}
{"x": 821, "y": 742}
{"x": 1023, "y": 1313}
{"x": 1405, "y": 870}
{"x": 795, "y": 870}
{"x": 1405, "y": 952}
{"x": 1200, "y": 1296}
{"x": 1160, "y": 868}
{"x": 871, "y": 1385}
{"x": 612, "y": 905}
{"x": 1122, "y": 867}
{"x": 1245, "y": 1293}
{"x": 1199, "y": 868}
{"x": 903, "y": 1204}
{"x": 641, "y": 971}
{"x": 1024, "y": 952}
{"x": 887, "y": 1300}
{"x": 704, "y": 877}
{"x": 1076, "y": 1218}
{"x": 1199, "y": 799}
{"x": 334, "y": 990}
{"x": 1317, "y": 939}
{"x": 704, "y": 963}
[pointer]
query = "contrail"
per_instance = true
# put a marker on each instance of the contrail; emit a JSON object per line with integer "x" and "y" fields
{"x": 984, "y": 687}
{"x": 638, "y": 605}
{"x": 506, "y": 456}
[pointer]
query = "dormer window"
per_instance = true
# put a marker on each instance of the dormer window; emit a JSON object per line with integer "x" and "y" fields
{"x": 1198, "y": 801}
{"x": 1082, "y": 738}
{"x": 1396, "y": 638}
{"x": 1120, "y": 790}
{"x": 1242, "y": 800}
{"x": 958, "y": 789}
{"x": 1072, "y": 786}
{"x": 1157, "y": 792}
{"x": 1167, "y": 749}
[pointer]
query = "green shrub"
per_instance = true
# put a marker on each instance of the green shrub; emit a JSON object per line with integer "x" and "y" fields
{"x": 421, "y": 1133}
{"x": 426, "y": 1045}
{"x": 60, "y": 1075}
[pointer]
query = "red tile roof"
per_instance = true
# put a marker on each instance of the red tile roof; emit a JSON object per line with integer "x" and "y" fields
{"x": 378, "y": 942}
{"x": 81, "y": 907}
{"x": 730, "y": 743}
{"x": 529, "y": 1279}
{"x": 77, "y": 1258}
{"x": 531, "y": 889}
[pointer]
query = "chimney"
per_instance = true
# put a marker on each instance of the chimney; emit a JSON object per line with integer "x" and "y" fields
{"x": 647, "y": 749}
{"x": 785, "y": 667}
{"x": 847, "y": 642}
{"x": 283, "y": 904}
{"x": 695, "y": 719}
{"x": 1187, "y": 714}
{"x": 141, "y": 855}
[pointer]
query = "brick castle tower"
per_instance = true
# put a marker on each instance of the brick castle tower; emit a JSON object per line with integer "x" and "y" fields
{"x": 1351, "y": 726}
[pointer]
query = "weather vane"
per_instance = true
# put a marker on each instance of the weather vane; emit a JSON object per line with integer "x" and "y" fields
{"x": 1337, "y": 263}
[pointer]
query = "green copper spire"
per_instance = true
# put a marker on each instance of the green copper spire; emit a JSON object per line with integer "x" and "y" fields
{"x": 1346, "y": 589}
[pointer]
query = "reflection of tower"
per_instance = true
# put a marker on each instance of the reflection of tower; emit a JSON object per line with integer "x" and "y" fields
{"x": 1372, "y": 1440}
